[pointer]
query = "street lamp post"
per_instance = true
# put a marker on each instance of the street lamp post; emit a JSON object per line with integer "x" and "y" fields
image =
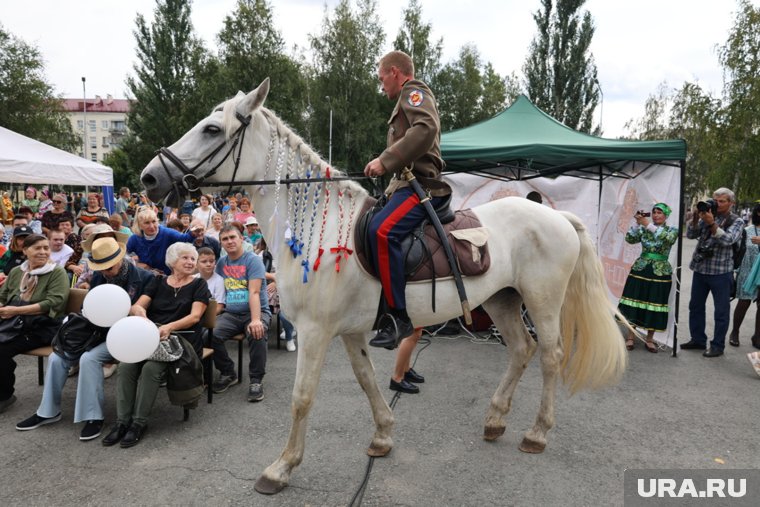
{"x": 329, "y": 150}
{"x": 84, "y": 102}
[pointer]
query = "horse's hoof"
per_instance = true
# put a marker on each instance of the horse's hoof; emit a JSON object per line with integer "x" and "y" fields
{"x": 267, "y": 486}
{"x": 377, "y": 451}
{"x": 491, "y": 433}
{"x": 531, "y": 446}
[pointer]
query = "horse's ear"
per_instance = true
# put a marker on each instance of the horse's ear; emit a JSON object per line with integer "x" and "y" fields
{"x": 254, "y": 99}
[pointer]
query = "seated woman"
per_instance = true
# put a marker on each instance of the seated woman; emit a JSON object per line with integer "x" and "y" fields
{"x": 150, "y": 241}
{"x": 174, "y": 303}
{"x": 42, "y": 287}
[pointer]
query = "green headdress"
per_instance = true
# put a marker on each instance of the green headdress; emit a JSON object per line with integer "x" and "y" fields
{"x": 663, "y": 207}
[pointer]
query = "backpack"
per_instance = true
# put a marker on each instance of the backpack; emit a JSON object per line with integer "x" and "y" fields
{"x": 740, "y": 247}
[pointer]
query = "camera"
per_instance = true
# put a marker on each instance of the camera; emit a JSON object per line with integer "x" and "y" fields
{"x": 642, "y": 213}
{"x": 703, "y": 252}
{"x": 708, "y": 205}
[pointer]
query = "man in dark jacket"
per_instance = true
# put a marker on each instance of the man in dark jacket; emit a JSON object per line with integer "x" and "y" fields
{"x": 413, "y": 142}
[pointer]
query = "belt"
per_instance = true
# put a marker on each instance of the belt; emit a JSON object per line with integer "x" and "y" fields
{"x": 654, "y": 256}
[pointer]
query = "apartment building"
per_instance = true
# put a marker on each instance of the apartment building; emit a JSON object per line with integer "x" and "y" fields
{"x": 106, "y": 124}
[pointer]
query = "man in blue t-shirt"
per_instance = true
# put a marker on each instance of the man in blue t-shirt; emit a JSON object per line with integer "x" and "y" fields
{"x": 246, "y": 311}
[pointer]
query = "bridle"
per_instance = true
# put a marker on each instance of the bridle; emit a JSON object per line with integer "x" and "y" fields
{"x": 191, "y": 183}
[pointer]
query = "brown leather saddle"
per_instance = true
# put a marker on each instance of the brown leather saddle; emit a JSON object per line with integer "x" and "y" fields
{"x": 425, "y": 258}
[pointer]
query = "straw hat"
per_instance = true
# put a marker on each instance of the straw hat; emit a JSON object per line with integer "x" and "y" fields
{"x": 106, "y": 253}
{"x": 98, "y": 231}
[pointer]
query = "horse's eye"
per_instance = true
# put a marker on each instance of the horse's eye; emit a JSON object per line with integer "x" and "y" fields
{"x": 211, "y": 129}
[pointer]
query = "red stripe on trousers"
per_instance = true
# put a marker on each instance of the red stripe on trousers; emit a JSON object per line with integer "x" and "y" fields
{"x": 383, "y": 260}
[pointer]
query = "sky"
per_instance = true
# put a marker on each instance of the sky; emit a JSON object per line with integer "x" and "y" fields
{"x": 637, "y": 44}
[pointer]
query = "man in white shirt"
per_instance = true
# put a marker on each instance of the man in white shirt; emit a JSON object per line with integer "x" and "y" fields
{"x": 59, "y": 250}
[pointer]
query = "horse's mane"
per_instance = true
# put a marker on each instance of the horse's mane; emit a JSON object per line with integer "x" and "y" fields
{"x": 283, "y": 130}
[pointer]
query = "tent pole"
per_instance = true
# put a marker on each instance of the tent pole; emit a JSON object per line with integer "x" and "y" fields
{"x": 681, "y": 216}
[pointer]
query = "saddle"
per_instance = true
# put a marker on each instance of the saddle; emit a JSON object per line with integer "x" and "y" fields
{"x": 425, "y": 258}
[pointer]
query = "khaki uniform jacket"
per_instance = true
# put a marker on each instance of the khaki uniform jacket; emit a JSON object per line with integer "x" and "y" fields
{"x": 414, "y": 140}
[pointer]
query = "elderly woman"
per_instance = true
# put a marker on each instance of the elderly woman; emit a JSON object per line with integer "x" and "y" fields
{"x": 37, "y": 290}
{"x": 647, "y": 290}
{"x": 245, "y": 211}
{"x": 109, "y": 263}
{"x": 52, "y": 218}
{"x": 231, "y": 211}
{"x": 90, "y": 214}
{"x": 174, "y": 303}
{"x": 150, "y": 241}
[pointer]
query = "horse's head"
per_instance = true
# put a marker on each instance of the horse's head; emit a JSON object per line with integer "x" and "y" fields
{"x": 208, "y": 152}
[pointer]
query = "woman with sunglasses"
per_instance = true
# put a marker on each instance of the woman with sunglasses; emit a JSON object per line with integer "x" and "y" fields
{"x": 52, "y": 218}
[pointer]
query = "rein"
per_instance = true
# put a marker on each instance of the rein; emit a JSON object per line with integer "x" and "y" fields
{"x": 192, "y": 184}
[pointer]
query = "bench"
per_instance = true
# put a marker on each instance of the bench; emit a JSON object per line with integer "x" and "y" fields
{"x": 240, "y": 338}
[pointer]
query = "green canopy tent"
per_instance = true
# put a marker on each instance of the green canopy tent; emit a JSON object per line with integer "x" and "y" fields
{"x": 602, "y": 180}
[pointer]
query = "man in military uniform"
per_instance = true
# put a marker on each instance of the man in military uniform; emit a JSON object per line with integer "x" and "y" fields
{"x": 414, "y": 137}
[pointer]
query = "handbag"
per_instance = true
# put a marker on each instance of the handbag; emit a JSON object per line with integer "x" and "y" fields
{"x": 76, "y": 336}
{"x": 168, "y": 350}
{"x": 12, "y": 327}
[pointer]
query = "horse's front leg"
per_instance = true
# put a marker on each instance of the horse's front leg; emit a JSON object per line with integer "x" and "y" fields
{"x": 311, "y": 355}
{"x": 356, "y": 346}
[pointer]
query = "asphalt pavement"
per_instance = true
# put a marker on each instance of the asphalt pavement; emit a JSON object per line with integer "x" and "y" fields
{"x": 685, "y": 412}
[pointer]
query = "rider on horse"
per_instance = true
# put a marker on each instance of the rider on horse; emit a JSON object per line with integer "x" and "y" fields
{"x": 413, "y": 142}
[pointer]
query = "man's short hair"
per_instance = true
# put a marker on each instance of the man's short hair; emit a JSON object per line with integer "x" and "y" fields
{"x": 727, "y": 192}
{"x": 400, "y": 60}
{"x": 231, "y": 228}
{"x": 204, "y": 250}
{"x": 123, "y": 190}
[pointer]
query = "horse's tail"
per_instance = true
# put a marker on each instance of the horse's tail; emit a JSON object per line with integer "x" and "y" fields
{"x": 595, "y": 354}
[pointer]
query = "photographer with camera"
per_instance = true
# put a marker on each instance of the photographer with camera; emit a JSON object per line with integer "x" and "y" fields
{"x": 647, "y": 290}
{"x": 716, "y": 229}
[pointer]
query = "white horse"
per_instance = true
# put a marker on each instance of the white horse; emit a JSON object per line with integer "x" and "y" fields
{"x": 539, "y": 257}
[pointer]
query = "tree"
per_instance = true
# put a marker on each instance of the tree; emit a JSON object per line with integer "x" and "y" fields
{"x": 168, "y": 90}
{"x": 560, "y": 73}
{"x": 250, "y": 49}
{"x": 28, "y": 104}
{"x": 414, "y": 39}
{"x": 346, "y": 53}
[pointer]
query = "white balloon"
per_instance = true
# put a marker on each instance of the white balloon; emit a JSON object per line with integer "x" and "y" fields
{"x": 105, "y": 304}
{"x": 132, "y": 339}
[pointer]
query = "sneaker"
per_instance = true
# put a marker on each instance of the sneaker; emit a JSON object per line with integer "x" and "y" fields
{"x": 283, "y": 337}
{"x": 392, "y": 332}
{"x": 73, "y": 370}
{"x": 36, "y": 421}
{"x": 290, "y": 345}
{"x": 255, "y": 392}
{"x": 754, "y": 360}
{"x": 91, "y": 430}
{"x": 4, "y": 404}
{"x": 224, "y": 383}
{"x": 109, "y": 370}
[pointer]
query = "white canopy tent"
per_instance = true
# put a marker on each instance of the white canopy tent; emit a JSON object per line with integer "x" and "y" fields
{"x": 24, "y": 160}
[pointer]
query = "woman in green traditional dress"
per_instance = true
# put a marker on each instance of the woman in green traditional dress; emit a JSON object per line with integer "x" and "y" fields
{"x": 647, "y": 290}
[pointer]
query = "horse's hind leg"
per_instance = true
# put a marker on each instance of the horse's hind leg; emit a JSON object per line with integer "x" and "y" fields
{"x": 311, "y": 355}
{"x": 382, "y": 443}
{"x": 547, "y": 325}
{"x": 504, "y": 310}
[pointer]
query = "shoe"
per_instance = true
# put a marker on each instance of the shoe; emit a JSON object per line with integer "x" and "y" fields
{"x": 224, "y": 383}
{"x": 755, "y": 343}
{"x": 4, "y": 404}
{"x": 651, "y": 347}
{"x": 733, "y": 339}
{"x": 630, "y": 344}
{"x": 255, "y": 393}
{"x": 712, "y": 352}
{"x": 73, "y": 370}
{"x": 283, "y": 337}
{"x": 133, "y": 436}
{"x": 36, "y": 421}
{"x": 404, "y": 387}
{"x": 754, "y": 360}
{"x": 109, "y": 370}
{"x": 394, "y": 330}
{"x": 290, "y": 345}
{"x": 118, "y": 431}
{"x": 413, "y": 376}
{"x": 91, "y": 430}
{"x": 692, "y": 345}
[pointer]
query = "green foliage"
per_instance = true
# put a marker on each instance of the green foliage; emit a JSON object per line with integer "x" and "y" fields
{"x": 28, "y": 104}
{"x": 344, "y": 80}
{"x": 123, "y": 176}
{"x": 560, "y": 73}
{"x": 251, "y": 49}
{"x": 414, "y": 39}
{"x": 169, "y": 88}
